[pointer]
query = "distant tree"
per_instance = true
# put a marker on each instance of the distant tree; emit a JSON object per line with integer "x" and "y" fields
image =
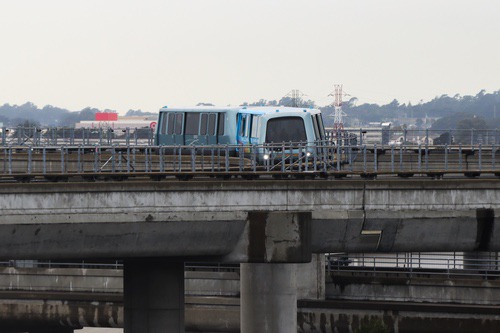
{"x": 465, "y": 127}
{"x": 419, "y": 122}
{"x": 138, "y": 113}
{"x": 204, "y": 104}
{"x": 260, "y": 102}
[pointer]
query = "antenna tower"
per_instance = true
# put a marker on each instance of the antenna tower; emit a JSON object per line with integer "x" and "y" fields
{"x": 338, "y": 122}
{"x": 296, "y": 95}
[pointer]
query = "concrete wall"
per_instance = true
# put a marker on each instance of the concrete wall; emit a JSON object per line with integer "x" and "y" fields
{"x": 401, "y": 289}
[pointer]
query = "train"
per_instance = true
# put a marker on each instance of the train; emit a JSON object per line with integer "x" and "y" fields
{"x": 269, "y": 128}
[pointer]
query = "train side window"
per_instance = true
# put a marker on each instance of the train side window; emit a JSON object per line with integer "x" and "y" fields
{"x": 255, "y": 127}
{"x": 211, "y": 124}
{"x": 178, "y": 124}
{"x": 192, "y": 123}
{"x": 221, "y": 124}
{"x": 163, "y": 128}
{"x": 203, "y": 126}
{"x": 243, "y": 125}
{"x": 171, "y": 122}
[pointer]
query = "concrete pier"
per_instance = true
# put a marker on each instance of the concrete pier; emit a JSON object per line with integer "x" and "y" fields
{"x": 268, "y": 298}
{"x": 153, "y": 296}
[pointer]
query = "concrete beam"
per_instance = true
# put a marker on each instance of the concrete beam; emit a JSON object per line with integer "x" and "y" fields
{"x": 211, "y": 219}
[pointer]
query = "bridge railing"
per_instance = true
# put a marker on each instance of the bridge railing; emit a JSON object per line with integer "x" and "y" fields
{"x": 58, "y": 136}
{"x": 443, "y": 265}
{"x": 282, "y": 157}
{"x": 387, "y": 136}
{"x": 55, "y": 136}
{"x": 322, "y": 158}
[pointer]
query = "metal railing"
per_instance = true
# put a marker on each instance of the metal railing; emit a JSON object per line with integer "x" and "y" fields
{"x": 68, "y": 160}
{"x": 55, "y": 136}
{"x": 443, "y": 265}
{"x": 52, "y": 136}
{"x": 283, "y": 158}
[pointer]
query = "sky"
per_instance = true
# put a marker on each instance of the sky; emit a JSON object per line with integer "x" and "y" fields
{"x": 132, "y": 54}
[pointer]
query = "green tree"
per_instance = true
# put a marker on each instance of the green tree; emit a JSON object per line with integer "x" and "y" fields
{"x": 470, "y": 130}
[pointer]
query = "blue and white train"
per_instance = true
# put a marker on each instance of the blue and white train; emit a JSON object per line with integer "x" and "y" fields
{"x": 236, "y": 126}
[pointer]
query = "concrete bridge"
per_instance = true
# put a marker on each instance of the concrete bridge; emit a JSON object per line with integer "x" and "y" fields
{"x": 265, "y": 225}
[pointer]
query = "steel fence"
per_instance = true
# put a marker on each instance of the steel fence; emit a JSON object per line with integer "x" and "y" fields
{"x": 448, "y": 265}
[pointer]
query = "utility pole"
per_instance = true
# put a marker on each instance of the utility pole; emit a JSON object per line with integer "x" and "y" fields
{"x": 338, "y": 122}
{"x": 296, "y": 95}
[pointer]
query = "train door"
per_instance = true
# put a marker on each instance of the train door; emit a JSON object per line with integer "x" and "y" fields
{"x": 192, "y": 128}
{"x": 221, "y": 132}
{"x": 208, "y": 129}
{"x": 161, "y": 129}
{"x": 177, "y": 128}
{"x": 171, "y": 127}
{"x": 243, "y": 128}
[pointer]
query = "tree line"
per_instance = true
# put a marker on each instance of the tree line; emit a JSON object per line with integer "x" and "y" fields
{"x": 481, "y": 111}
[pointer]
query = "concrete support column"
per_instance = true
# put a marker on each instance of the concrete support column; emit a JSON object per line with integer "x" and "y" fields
{"x": 311, "y": 278}
{"x": 153, "y": 296}
{"x": 268, "y": 298}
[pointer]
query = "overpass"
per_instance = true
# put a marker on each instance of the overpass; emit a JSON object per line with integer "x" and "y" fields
{"x": 265, "y": 225}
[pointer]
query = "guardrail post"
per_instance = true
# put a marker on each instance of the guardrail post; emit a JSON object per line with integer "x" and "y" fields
{"x": 4, "y": 136}
{"x": 493, "y": 153}
{"x": 419, "y": 157}
{"x": 113, "y": 160}
{"x": 446, "y": 157}
{"x": 44, "y": 160}
{"x": 29, "y": 159}
{"x": 480, "y": 157}
{"x": 460, "y": 157}
{"x": 193, "y": 158}
{"x": 364, "y": 159}
{"x": 426, "y": 156}
{"x": 392, "y": 158}
{"x": 62, "y": 160}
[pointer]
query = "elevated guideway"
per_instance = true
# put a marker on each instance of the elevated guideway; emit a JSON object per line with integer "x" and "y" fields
{"x": 246, "y": 221}
{"x": 268, "y": 226}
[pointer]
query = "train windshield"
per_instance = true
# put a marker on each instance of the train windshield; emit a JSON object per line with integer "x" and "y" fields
{"x": 285, "y": 129}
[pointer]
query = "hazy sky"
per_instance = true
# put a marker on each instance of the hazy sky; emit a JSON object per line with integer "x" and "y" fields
{"x": 132, "y": 54}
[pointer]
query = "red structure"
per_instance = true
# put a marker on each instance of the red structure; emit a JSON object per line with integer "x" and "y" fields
{"x": 106, "y": 116}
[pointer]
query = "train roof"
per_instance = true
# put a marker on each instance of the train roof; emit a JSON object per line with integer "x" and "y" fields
{"x": 275, "y": 109}
{"x": 248, "y": 109}
{"x": 201, "y": 108}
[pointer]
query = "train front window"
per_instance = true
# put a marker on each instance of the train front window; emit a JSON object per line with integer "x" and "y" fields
{"x": 285, "y": 129}
{"x": 321, "y": 126}
{"x": 315, "y": 125}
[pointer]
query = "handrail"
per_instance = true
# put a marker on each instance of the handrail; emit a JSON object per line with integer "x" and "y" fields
{"x": 418, "y": 264}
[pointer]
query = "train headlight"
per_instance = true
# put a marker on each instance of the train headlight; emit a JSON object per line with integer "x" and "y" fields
{"x": 308, "y": 154}
{"x": 266, "y": 156}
